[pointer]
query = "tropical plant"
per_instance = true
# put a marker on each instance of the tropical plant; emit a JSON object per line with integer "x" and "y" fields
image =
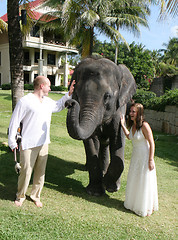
{"x": 169, "y": 7}
{"x": 156, "y": 58}
{"x": 171, "y": 52}
{"x": 79, "y": 19}
{"x": 129, "y": 15}
{"x": 138, "y": 60}
{"x": 3, "y": 26}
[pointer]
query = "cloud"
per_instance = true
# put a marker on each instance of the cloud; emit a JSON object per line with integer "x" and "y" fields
{"x": 174, "y": 31}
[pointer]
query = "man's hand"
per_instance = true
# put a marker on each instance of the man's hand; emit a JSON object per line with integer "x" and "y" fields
{"x": 71, "y": 88}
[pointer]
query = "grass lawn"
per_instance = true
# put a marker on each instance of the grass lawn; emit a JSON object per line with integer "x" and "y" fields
{"x": 69, "y": 212}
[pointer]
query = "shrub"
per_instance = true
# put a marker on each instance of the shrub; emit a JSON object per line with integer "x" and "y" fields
{"x": 28, "y": 86}
{"x": 58, "y": 88}
{"x": 6, "y": 86}
{"x": 150, "y": 101}
{"x": 142, "y": 96}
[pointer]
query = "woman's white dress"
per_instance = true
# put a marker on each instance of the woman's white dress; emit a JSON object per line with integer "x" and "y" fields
{"x": 141, "y": 190}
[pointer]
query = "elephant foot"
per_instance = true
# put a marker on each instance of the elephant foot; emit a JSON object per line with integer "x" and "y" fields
{"x": 95, "y": 190}
{"x": 112, "y": 186}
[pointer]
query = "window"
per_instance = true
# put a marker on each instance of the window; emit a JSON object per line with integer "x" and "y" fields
{"x": 51, "y": 59}
{"x": 26, "y": 77}
{"x": 26, "y": 58}
{"x": 37, "y": 56}
{"x": 35, "y": 32}
{"x": 52, "y": 79}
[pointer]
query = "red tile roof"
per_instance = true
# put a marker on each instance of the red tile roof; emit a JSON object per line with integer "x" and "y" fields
{"x": 35, "y": 15}
{"x": 4, "y": 17}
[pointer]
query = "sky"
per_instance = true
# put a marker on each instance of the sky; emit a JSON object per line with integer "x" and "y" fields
{"x": 159, "y": 32}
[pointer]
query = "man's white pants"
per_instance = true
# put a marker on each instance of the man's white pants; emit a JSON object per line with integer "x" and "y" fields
{"x": 32, "y": 159}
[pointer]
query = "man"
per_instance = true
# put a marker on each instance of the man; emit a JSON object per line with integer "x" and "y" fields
{"x": 34, "y": 112}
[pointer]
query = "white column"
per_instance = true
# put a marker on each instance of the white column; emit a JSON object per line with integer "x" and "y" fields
{"x": 32, "y": 56}
{"x": 58, "y": 80}
{"x": 66, "y": 70}
{"x": 31, "y": 76}
{"x": 40, "y": 64}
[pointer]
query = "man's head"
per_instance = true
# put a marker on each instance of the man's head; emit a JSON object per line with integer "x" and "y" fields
{"x": 42, "y": 84}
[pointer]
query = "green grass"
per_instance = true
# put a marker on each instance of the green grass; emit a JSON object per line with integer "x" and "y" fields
{"x": 68, "y": 212}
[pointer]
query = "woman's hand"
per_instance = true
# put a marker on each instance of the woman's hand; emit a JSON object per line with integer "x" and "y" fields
{"x": 151, "y": 164}
{"x": 122, "y": 119}
{"x": 126, "y": 131}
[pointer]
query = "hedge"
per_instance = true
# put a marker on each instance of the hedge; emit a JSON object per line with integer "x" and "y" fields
{"x": 147, "y": 98}
{"x": 150, "y": 101}
{"x": 30, "y": 87}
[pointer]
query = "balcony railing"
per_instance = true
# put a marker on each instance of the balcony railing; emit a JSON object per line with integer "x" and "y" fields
{"x": 53, "y": 41}
{"x": 27, "y": 62}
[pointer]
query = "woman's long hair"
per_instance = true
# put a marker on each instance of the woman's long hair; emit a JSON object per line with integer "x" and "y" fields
{"x": 140, "y": 116}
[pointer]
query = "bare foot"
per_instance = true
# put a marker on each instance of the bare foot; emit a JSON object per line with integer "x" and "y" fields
{"x": 38, "y": 204}
{"x": 19, "y": 202}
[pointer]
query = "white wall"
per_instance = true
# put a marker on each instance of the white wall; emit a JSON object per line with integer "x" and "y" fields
{"x": 163, "y": 121}
{"x": 5, "y": 66}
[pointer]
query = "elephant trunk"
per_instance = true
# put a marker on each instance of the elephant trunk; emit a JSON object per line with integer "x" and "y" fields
{"x": 81, "y": 123}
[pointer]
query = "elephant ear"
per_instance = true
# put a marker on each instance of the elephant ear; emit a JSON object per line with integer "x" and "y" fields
{"x": 127, "y": 85}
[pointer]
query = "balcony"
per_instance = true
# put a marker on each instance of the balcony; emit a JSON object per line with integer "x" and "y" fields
{"x": 27, "y": 62}
{"x": 53, "y": 41}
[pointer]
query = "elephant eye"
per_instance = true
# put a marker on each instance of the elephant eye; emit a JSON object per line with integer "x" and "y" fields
{"x": 107, "y": 96}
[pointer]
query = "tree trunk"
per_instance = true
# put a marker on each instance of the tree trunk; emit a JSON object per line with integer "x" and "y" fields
{"x": 117, "y": 47}
{"x": 91, "y": 40}
{"x": 15, "y": 51}
{"x": 116, "y": 53}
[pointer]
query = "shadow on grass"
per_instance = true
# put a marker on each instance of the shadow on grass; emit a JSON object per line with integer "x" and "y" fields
{"x": 58, "y": 173}
{"x": 58, "y": 177}
{"x": 166, "y": 147}
{"x": 8, "y": 176}
{"x": 6, "y": 96}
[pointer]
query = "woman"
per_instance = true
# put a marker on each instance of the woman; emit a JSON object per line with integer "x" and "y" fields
{"x": 141, "y": 190}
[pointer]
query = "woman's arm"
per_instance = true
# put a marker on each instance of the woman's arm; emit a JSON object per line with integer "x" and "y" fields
{"x": 126, "y": 131}
{"x": 147, "y": 132}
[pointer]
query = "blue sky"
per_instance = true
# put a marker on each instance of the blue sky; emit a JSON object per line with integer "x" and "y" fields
{"x": 159, "y": 32}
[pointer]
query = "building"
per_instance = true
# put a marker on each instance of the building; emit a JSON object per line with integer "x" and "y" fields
{"x": 43, "y": 51}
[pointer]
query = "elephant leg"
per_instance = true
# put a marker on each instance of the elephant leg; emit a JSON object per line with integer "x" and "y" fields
{"x": 95, "y": 186}
{"x": 104, "y": 157}
{"x": 112, "y": 177}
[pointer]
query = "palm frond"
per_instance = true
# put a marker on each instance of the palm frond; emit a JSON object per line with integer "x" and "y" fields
{"x": 3, "y": 26}
{"x": 90, "y": 17}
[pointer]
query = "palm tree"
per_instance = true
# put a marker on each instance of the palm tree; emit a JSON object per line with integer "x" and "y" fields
{"x": 171, "y": 52}
{"x": 172, "y": 7}
{"x": 129, "y": 15}
{"x": 15, "y": 51}
{"x": 80, "y": 18}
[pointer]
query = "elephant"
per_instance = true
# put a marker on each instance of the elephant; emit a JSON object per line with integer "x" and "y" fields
{"x": 101, "y": 93}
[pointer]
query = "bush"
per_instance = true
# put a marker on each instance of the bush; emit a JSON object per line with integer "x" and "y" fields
{"x": 150, "y": 101}
{"x": 28, "y": 86}
{"x": 58, "y": 88}
{"x": 6, "y": 86}
{"x": 142, "y": 96}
